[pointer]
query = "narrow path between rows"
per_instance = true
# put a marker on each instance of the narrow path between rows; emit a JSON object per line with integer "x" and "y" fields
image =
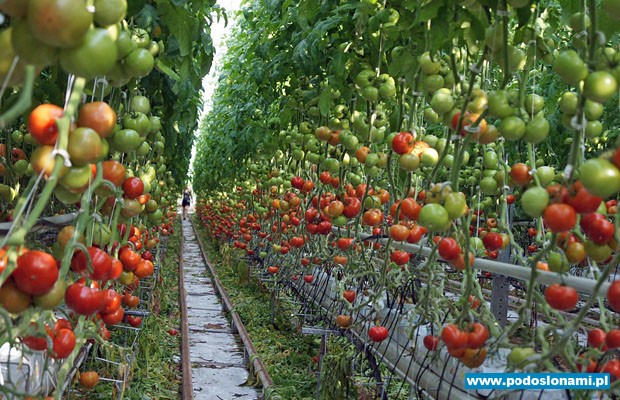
{"x": 216, "y": 356}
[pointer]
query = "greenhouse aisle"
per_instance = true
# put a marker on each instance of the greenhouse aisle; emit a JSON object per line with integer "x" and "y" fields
{"x": 216, "y": 356}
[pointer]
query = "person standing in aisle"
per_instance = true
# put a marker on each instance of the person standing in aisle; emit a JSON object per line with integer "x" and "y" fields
{"x": 187, "y": 199}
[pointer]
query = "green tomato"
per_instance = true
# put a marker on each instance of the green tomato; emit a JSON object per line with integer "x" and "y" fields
{"x": 519, "y": 357}
{"x": 558, "y": 262}
{"x": 139, "y": 63}
{"x": 534, "y": 103}
{"x": 598, "y": 253}
{"x": 429, "y": 67}
{"x": 488, "y": 186}
{"x": 433, "y": 83}
{"x": 536, "y": 130}
{"x": 65, "y": 196}
{"x": 109, "y": 12}
{"x": 546, "y": 175}
{"x": 431, "y": 116}
{"x": 498, "y": 104}
{"x": 455, "y": 204}
{"x": 534, "y": 201}
{"x": 138, "y": 122}
{"x": 600, "y": 177}
{"x": 28, "y": 47}
{"x": 490, "y": 160}
{"x": 570, "y": 67}
{"x": 568, "y": 102}
{"x": 140, "y": 37}
{"x": 442, "y": 101}
{"x": 124, "y": 44}
{"x": 143, "y": 150}
{"x": 94, "y": 56}
{"x": 512, "y": 128}
{"x": 20, "y": 167}
{"x": 370, "y": 93}
{"x": 448, "y": 161}
{"x": 429, "y": 157}
{"x": 600, "y": 86}
{"x": 476, "y": 243}
{"x": 126, "y": 140}
{"x": 593, "y": 110}
{"x": 409, "y": 162}
{"x": 332, "y": 165}
{"x": 84, "y": 146}
{"x": 594, "y": 129}
{"x": 77, "y": 178}
{"x": 434, "y": 217}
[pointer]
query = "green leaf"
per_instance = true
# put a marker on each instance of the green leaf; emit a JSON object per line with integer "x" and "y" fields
{"x": 325, "y": 102}
{"x": 147, "y": 17}
{"x": 306, "y": 12}
{"x": 176, "y": 20}
{"x": 523, "y": 15}
{"x": 430, "y": 10}
{"x": 286, "y": 5}
{"x": 166, "y": 69}
{"x": 134, "y": 6}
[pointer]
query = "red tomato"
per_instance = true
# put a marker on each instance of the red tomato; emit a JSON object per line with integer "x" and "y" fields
{"x": 62, "y": 323}
{"x": 35, "y": 342}
{"x": 63, "y": 343}
{"x": 114, "y": 317}
{"x": 453, "y": 337}
{"x": 399, "y": 232}
{"x": 613, "y": 296}
{"x": 133, "y": 187}
{"x": 378, "y": 333}
{"x": 101, "y": 263}
{"x": 612, "y": 367}
{"x": 492, "y": 241}
{"x": 596, "y": 338}
{"x": 112, "y": 301}
{"x": 448, "y": 249}
{"x": 520, "y": 174}
{"x": 36, "y": 272}
{"x": 582, "y": 201}
{"x": 403, "y": 143}
{"x": 561, "y": 297}
{"x": 597, "y": 227}
{"x": 477, "y": 336}
{"x": 42, "y": 123}
{"x": 560, "y": 217}
{"x": 399, "y": 257}
{"x": 349, "y": 295}
{"x": 99, "y": 116}
{"x": 415, "y": 234}
{"x": 308, "y": 278}
{"x": 83, "y": 299}
{"x": 612, "y": 339}
{"x": 431, "y": 342}
{"x": 114, "y": 172}
{"x": 89, "y": 379}
{"x": 297, "y": 182}
{"x": 344, "y": 243}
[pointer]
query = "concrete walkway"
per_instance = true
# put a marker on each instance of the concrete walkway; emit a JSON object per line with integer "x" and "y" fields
{"x": 218, "y": 369}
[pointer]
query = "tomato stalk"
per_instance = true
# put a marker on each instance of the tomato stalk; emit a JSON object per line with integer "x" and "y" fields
{"x": 18, "y": 236}
{"x": 24, "y": 101}
{"x": 531, "y": 284}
